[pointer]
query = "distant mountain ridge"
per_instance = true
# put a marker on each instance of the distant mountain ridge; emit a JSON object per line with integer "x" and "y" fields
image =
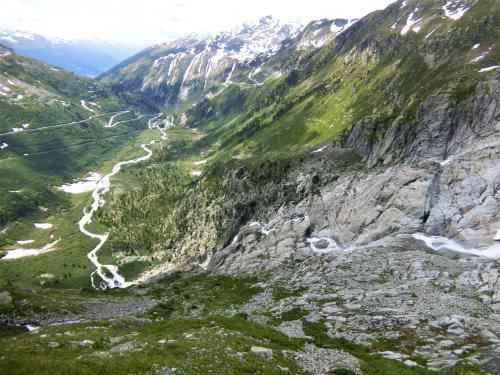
{"x": 199, "y": 64}
{"x": 85, "y": 57}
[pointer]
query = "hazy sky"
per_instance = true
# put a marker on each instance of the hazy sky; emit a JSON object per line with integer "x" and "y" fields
{"x": 151, "y": 21}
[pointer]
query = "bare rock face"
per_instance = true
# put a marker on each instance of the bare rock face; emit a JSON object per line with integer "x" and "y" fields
{"x": 368, "y": 240}
{"x": 368, "y": 206}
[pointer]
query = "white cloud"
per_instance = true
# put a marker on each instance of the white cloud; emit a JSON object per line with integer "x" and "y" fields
{"x": 153, "y": 21}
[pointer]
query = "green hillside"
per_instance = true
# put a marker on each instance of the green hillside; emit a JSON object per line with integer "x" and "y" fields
{"x": 335, "y": 213}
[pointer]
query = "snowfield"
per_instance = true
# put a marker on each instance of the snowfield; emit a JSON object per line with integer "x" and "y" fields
{"x": 412, "y": 20}
{"x": 20, "y": 253}
{"x": 43, "y": 226}
{"x": 454, "y": 13}
{"x": 84, "y": 185}
{"x": 489, "y": 68}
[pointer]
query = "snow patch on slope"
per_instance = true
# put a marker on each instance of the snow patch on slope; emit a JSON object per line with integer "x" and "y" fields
{"x": 20, "y": 253}
{"x": 410, "y": 22}
{"x": 489, "y": 68}
{"x": 88, "y": 183}
{"x": 43, "y": 225}
{"x": 453, "y": 10}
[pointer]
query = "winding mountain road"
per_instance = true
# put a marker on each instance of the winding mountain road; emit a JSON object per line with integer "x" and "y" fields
{"x": 60, "y": 125}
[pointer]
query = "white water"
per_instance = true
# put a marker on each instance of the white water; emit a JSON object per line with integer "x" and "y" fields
{"x": 331, "y": 246}
{"x": 184, "y": 92}
{"x": 31, "y": 328}
{"x": 438, "y": 243}
{"x": 228, "y": 79}
{"x": 263, "y": 229}
{"x": 107, "y": 272}
{"x": 319, "y": 150}
{"x": 489, "y": 68}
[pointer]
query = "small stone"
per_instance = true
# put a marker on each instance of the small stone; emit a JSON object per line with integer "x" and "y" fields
{"x": 86, "y": 343}
{"x": 122, "y": 348}
{"x": 5, "y": 298}
{"x": 444, "y": 363}
{"x": 321, "y": 244}
{"x": 54, "y": 345}
{"x": 263, "y": 352}
{"x": 446, "y": 343}
{"x": 410, "y": 363}
{"x": 292, "y": 329}
{"x": 32, "y": 329}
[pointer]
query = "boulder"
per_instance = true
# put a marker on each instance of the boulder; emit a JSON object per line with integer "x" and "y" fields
{"x": 262, "y": 352}
{"x": 5, "y": 298}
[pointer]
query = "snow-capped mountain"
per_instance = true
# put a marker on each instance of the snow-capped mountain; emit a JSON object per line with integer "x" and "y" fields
{"x": 88, "y": 57}
{"x": 317, "y": 33}
{"x": 199, "y": 64}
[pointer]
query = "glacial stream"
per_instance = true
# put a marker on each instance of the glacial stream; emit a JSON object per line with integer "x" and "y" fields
{"x": 108, "y": 272}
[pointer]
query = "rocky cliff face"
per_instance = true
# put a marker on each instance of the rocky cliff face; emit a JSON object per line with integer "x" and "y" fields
{"x": 398, "y": 249}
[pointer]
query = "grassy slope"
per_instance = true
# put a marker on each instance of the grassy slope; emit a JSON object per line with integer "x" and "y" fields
{"x": 198, "y": 306}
